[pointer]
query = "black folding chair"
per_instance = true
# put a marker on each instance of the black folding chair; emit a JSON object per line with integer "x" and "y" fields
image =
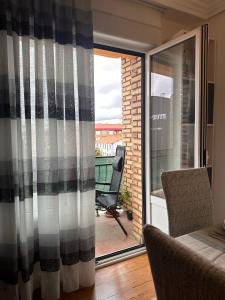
{"x": 109, "y": 199}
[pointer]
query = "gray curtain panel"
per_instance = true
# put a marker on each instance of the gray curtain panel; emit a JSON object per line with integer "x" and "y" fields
{"x": 47, "y": 163}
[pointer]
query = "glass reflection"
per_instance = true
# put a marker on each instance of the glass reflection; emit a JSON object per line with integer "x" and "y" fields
{"x": 172, "y": 105}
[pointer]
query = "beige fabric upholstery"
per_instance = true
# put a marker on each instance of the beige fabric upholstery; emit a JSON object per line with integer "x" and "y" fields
{"x": 178, "y": 272}
{"x": 188, "y": 199}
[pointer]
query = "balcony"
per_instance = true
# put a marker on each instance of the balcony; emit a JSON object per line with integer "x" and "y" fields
{"x": 113, "y": 125}
{"x": 109, "y": 236}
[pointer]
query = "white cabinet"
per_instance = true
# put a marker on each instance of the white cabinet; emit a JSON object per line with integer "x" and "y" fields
{"x": 159, "y": 213}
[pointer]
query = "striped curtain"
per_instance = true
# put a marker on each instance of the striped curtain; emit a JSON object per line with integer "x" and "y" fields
{"x": 47, "y": 206}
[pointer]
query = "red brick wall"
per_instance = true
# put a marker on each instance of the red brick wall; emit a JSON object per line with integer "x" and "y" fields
{"x": 131, "y": 106}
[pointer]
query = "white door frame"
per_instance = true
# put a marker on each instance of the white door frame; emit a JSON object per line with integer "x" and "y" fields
{"x": 197, "y": 33}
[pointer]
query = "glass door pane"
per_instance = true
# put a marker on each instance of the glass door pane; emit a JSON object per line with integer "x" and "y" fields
{"x": 176, "y": 94}
{"x": 172, "y": 106}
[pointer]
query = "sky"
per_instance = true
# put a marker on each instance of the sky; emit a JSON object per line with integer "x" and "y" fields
{"x": 107, "y": 83}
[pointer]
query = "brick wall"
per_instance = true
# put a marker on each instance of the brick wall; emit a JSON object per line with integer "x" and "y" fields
{"x": 131, "y": 106}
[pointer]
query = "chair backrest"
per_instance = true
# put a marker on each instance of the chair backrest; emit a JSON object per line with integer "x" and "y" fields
{"x": 178, "y": 272}
{"x": 118, "y": 165}
{"x": 189, "y": 200}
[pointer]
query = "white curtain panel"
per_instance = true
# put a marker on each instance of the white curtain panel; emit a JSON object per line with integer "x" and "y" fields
{"x": 47, "y": 156}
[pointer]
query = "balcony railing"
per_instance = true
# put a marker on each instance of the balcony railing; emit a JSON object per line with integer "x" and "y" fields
{"x": 103, "y": 170}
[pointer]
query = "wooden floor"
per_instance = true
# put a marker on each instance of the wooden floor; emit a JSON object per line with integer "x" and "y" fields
{"x": 130, "y": 279}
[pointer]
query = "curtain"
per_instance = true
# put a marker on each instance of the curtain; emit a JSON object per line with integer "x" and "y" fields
{"x": 47, "y": 166}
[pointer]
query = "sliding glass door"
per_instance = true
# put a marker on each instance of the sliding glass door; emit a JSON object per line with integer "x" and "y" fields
{"x": 175, "y": 113}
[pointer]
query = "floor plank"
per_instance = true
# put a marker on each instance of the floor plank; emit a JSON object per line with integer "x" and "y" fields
{"x": 126, "y": 280}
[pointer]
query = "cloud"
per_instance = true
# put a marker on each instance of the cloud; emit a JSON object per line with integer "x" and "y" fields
{"x": 108, "y": 100}
{"x": 117, "y": 100}
{"x": 107, "y": 88}
{"x": 105, "y": 114}
{"x": 112, "y": 121}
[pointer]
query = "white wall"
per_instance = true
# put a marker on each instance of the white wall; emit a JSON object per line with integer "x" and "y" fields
{"x": 216, "y": 32}
{"x": 174, "y": 21}
{"x": 116, "y": 20}
{"x": 125, "y": 23}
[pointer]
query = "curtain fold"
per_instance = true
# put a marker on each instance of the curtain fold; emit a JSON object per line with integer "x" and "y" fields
{"x": 47, "y": 158}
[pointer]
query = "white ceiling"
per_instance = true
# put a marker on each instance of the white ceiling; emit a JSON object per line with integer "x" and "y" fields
{"x": 199, "y": 8}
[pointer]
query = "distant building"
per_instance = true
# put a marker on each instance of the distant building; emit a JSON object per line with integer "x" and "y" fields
{"x": 108, "y": 129}
{"x": 107, "y": 144}
{"x": 107, "y": 137}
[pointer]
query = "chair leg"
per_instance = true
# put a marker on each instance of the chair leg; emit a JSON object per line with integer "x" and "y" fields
{"x": 117, "y": 220}
{"x": 97, "y": 213}
{"x": 115, "y": 217}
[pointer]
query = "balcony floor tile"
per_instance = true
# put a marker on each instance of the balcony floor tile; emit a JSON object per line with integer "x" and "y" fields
{"x": 109, "y": 236}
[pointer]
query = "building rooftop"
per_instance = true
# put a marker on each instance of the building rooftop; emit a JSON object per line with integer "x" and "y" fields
{"x": 108, "y": 139}
{"x": 109, "y": 127}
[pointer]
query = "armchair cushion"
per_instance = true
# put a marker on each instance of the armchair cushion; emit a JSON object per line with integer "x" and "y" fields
{"x": 107, "y": 200}
{"x": 117, "y": 163}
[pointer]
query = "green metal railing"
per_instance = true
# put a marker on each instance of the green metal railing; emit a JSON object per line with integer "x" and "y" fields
{"x": 103, "y": 171}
